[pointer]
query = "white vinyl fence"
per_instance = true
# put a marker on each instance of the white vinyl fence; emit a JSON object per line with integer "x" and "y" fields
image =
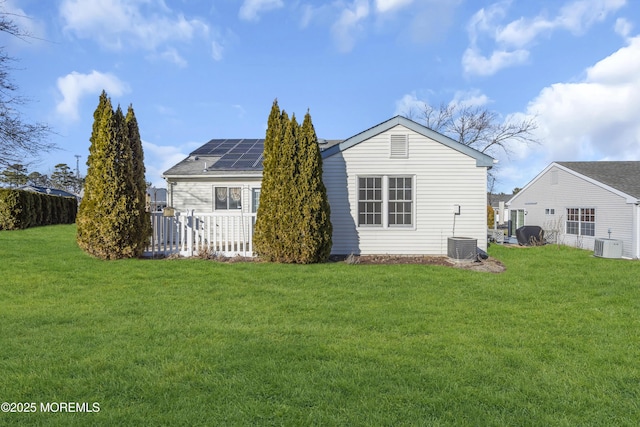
{"x": 189, "y": 234}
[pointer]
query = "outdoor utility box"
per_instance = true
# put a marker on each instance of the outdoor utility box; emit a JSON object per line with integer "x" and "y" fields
{"x": 607, "y": 248}
{"x": 462, "y": 248}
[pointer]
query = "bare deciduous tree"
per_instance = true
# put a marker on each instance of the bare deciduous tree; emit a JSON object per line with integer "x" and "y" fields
{"x": 20, "y": 140}
{"x": 476, "y": 126}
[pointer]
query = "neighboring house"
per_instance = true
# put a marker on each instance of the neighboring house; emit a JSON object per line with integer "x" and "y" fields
{"x": 582, "y": 201}
{"x": 396, "y": 188}
{"x": 50, "y": 191}
{"x": 498, "y": 203}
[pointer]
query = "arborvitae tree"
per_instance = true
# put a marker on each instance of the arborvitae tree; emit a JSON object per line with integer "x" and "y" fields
{"x": 293, "y": 217}
{"x": 108, "y": 217}
{"x": 267, "y": 239}
{"x": 142, "y": 218}
{"x": 315, "y": 226}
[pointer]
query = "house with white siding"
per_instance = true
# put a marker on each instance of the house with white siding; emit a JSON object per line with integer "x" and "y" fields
{"x": 396, "y": 188}
{"x": 580, "y": 202}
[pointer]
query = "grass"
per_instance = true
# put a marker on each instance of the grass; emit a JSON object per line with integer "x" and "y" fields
{"x": 553, "y": 341}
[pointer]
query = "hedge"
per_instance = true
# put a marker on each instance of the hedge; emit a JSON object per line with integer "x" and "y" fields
{"x": 23, "y": 209}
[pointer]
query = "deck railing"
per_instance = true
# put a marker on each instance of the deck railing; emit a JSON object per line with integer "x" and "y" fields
{"x": 190, "y": 234}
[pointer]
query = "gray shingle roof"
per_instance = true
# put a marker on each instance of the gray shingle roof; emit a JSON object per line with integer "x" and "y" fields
{"x": 623, "y": 176}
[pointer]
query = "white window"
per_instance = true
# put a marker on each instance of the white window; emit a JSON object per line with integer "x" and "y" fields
{"x": 550, "y": 211}
{"x": 370, "y": 200}
{"x": 581, "y": 221}
{"x": 385, "y": 201}
{"x": 255, "y": 199}
{"x": 400, "y": 201}
{"x": 226, "y": 198}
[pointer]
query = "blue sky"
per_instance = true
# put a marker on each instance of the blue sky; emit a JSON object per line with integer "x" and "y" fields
{"x": 196, "y": 70}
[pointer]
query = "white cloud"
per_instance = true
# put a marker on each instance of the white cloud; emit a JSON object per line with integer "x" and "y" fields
{"x": 623, "y": 27}
{"x": 513, "y": 39}
{"x": 349, "y": 24}
{"x": 121, "y": 24}
{"x": 410, "y": 106}
{"x": 172, "y": 55}
{"x": 158, "y": 159}
{"x": 383, "y": 6}
{"x": 473, "y": 62}
{"x": 75, "y": 86}
{"x": 251, "y": 9}
{"x": 593, "y": 119}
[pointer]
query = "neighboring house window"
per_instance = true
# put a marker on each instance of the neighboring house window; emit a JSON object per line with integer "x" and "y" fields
{"x": 370, "y": 200}
{"x": 581, "y": 221}
{"x": 227, "y": 197}
{"x": 400, "y": 201}
{"x": 549, "y": 211}
{"x": 385, "y": 201}
{"x": 255, "y": 199}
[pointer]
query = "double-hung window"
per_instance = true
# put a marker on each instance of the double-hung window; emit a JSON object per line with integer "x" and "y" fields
{"x": 370, "y": 200}
{"x": 400, "y": 201}
{"x": 385, "y": 201}
{"x": 226, "y": 198}
{"x": 581, "y": 221}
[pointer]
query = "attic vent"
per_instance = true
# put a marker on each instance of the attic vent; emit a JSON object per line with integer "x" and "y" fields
{"x": 399, "y": 146}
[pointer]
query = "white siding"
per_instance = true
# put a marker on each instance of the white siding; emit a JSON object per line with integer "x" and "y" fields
{"x": 557, "y": 189}
{"x": 197, "y": 195}
{"x": 443, "y": 178}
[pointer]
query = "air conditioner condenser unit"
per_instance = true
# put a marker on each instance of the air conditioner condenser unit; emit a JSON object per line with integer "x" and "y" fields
{"x": 608, "y": 248}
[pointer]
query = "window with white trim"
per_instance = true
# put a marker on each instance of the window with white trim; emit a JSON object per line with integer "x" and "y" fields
{"x": 226, "y": 198}
{"x": 581, "y": 221}
{"x": 385, "y": 201}
{"x": 549, "y": 211}
{"x": 400, "y": 201}
{"x": 370, "y": 200}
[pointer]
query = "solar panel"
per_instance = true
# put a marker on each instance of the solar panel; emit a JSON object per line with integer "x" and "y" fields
{"x": 235, "y": 154}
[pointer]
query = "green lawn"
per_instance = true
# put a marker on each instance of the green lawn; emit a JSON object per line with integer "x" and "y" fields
{"x": 554, "y": 340}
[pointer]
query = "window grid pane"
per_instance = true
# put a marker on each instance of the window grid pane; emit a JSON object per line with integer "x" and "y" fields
{"x": 581, "y": 221}
{"x": 370, "y": 201}
{"x": 400, "y": 202}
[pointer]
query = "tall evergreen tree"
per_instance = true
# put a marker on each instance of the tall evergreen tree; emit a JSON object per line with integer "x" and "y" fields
{"x": 315, "y": 225}
{"x": 265, "y": 238}
{"x": 109, "y": 218}
{"x": 142, "y": 219}
{"x": 293, "y": 217}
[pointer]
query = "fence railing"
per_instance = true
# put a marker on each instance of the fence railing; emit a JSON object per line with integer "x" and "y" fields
{"x": 190, "y": 234}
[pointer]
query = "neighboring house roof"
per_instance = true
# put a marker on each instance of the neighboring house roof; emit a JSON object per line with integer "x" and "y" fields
{"x": 228, "y": 157}
{"x": 47, "y": 190}
{"x": 622, "y": 178}
{"x": 481, "y": 158}
{"x": 494, "y": 199}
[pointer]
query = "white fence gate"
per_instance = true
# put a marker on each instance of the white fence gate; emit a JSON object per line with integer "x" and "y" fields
{"x": 190, "y": 233}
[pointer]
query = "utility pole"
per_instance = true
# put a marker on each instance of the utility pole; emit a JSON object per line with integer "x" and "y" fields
{"x": 77, "y": 156}
{"x": 77, "y": 185}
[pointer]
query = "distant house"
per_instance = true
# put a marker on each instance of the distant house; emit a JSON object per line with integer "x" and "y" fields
{"x": 395, "y": 188}
{"x": 49, "y": 190}
{"x": 498, "y": 203}
{"x": 583, "y": 201}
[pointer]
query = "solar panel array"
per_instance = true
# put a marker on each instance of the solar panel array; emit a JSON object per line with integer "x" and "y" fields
{"x": 235, "y": 154}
